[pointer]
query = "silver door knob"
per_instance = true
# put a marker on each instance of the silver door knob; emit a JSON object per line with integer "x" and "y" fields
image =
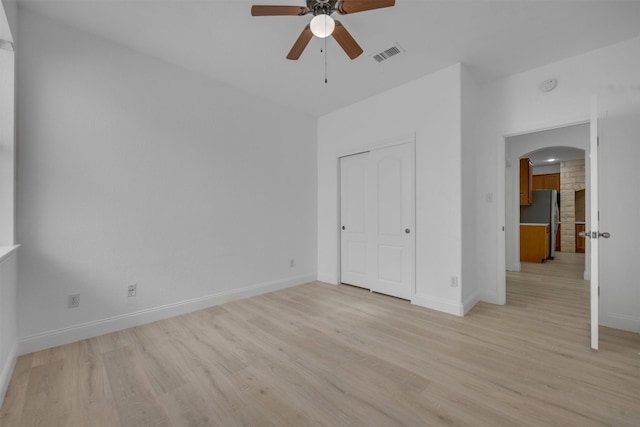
{"x": 406, "y": 230}
{"x": 594, "y": 234}
{"x": 343, "y": 227}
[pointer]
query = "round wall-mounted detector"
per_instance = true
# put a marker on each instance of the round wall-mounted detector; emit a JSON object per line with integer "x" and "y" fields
{"x": 548, "y": 85}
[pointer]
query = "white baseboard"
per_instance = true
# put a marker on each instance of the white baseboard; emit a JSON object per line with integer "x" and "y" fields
{"x": 7, "y": 370}
{"x": 490, "y": 296}
{"x": 470, "y": 302}
{"x": 620, "y": 321}
{"x": 96, "y": 328}
{"x": 514, "y": 267}
{"x": 438, "y": 304}
{"x": 328, "y": 279}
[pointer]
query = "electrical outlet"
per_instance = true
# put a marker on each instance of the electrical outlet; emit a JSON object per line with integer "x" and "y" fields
{"x": 132, "y": 290}
{"x": 73, "y": 300}
{"x": 292, "y": 263}
{"x": 454, "y": 281}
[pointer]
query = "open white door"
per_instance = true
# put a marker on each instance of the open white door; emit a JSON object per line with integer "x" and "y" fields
{"x": 594, "y": 234}
{"x": 593, "y": 208}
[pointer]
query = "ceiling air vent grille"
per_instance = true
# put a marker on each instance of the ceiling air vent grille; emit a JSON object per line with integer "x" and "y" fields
{"x": 386, "y": 54}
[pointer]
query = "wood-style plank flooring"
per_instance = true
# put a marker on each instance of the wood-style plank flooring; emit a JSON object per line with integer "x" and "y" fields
{"x": 323, "y": 355}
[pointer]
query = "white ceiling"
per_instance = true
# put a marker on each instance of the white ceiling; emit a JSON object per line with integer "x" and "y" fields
{"x": 220, "y": 39}
{"x": 555, "y": 155}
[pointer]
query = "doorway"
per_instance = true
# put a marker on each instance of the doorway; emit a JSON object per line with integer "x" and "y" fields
{"x": 560, "y": 150}
{"x": 377, "y": 220}
{"x": 559, "y": 207}
{"x": 507, "y": 245}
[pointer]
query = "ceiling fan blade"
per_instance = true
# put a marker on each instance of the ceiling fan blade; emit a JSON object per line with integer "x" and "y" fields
{"x": 346, "y": 42}
{"x": 278, "y": 10}
{"x": 300, "y": 44}
{"x": 352, "y": 6}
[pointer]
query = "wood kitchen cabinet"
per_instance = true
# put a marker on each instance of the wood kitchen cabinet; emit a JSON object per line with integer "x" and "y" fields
{"x": 526, "y": 182}
{"x": 548, "y": 181}
{"x": 580, "y": 241}
{"x": 534, "y": 242}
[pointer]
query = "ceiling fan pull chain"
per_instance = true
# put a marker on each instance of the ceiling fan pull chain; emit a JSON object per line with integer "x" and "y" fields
{"x": 325, "y": 61}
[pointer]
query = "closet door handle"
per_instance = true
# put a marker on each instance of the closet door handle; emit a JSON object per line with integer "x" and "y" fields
{"x": 406, "y": 230}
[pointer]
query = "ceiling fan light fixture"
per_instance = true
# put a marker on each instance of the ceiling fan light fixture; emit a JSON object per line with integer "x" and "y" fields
{"x": 322, "y": 25}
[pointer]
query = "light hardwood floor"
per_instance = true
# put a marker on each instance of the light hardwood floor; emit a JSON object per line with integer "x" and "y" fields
{"x": 326, "y": 355}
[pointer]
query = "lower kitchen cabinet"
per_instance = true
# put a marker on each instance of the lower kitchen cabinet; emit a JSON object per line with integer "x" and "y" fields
{"x": 534, "y": 242}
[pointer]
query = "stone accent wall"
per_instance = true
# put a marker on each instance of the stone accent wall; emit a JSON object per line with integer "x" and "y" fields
{"x": 571, "y": 180}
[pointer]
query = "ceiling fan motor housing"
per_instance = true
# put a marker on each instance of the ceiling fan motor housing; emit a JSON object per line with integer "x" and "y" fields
{"x": 321, "y": 7}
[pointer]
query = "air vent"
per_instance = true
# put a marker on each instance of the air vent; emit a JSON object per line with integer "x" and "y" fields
{"x": 386, "y": 54}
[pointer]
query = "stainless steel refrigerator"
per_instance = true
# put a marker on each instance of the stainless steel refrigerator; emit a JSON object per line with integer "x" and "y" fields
{"x": 543, "y": 210}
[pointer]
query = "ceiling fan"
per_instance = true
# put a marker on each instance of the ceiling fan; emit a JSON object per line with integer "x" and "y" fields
{"x": 323, "y": 25}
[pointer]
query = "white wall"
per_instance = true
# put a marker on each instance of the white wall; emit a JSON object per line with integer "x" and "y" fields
{"x": 8, "y": 330}
{"x": 7, "y": 132}
{"x": 515, "y": 105}
{"x": 471, "y": 108}
{"x": 8, "y": 263}
{"x": 428, "y": 108}
{"x": 8, "y": 20}
{"x": 7, "y": 147}
{"x": 132, "y": 170}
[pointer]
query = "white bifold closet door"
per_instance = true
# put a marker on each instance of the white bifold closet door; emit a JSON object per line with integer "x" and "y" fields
{"x": 377, "y": 221}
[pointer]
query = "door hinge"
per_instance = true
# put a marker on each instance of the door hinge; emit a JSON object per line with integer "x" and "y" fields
{"x": 598, "y": 290}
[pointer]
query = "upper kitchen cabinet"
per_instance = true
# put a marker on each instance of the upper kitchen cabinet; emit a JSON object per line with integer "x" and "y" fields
{"x": 550, "y": 181}
{"x": 526, "y": 182}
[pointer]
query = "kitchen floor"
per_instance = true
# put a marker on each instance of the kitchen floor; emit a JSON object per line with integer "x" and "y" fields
{"x": 564, "y": 264}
